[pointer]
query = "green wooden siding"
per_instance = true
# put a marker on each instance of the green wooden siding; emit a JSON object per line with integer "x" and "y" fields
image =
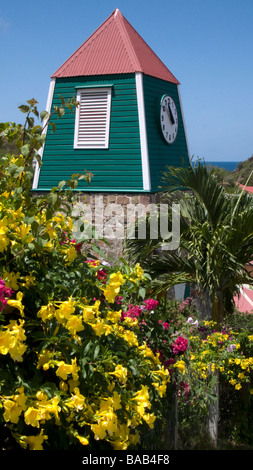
{"x": 160, "y": 153}
{"x": 117, "y": 168}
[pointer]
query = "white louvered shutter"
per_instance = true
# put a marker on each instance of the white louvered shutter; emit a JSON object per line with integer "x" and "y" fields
{"x": 93, "y": 118}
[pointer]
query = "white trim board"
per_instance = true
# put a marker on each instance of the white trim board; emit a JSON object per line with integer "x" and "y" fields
{"x": 40, "y": 152}
{"x": 143, "y": 132}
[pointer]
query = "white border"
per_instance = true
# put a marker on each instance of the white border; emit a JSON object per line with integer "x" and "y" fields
{"x": 94, "y": 145}
{"x": 143, "y": 132}
{"x": 182, "y": 113}
{"x": 41, "y": 150}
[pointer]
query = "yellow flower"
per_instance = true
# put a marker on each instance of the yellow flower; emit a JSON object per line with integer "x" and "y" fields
{"x": 120, "y": 372}
{"x": 83, "y": 440}
{"x": 76, "y": 401}
{"x": 128, "y": 336}
{"x": 160, "y": 387}
{"x": 32, "y": 417}
{"x": 51, "y": 407}
{"x": 14, "y": 406}
{"x": 28, "y": 281}
{"x": 63, "y": 386}
{"x": 65, "y": 369}
{"x": 22, "y": 232}
{"x": 238, "y": 386}
{"x": 4, "y": 241}
{"x": 17, "y": 303}
{"x": 74, "y": 324}
{"x": 88, "y": 314}
{"x": 114, "y": 317}
{"x": 35, "y": 442}
{"x": 150, "y": 419}
{"x": 101, "y": 328}
{"x": 46, "y": 312}
{"x": 11, "y": 280}
{"x": 139, "y": 270}
{"x": 180, "y": 366}
{"x": 7, "y": 342}
{"x": 116, "y": 279}
{"x": 71, "y": 254}
{"x": 142, "y": 399}
{"x": 116, "y": 401}
{"x": 99, "y": 431}
{"x": 11, "y": 340}
{"x": 65, "y": 310}
{"x": 111, "y": 291}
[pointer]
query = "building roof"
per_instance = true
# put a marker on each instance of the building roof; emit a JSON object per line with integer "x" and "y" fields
{"x": 114, "y": 48}
{"x": 249, "y": 189}
{"x": 244, "y": 301}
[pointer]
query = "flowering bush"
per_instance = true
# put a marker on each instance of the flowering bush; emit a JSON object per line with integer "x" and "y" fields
{"x": 87, "y": 356}
{"x": 72, "y": 370}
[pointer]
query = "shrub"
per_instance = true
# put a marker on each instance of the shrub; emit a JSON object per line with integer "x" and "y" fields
{"x": 73, "y": 372}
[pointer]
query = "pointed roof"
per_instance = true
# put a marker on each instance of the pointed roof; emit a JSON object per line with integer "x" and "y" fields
{"x": 114, "y": 48}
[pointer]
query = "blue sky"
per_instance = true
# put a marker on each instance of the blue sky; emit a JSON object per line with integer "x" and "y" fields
{"x": 206, "y": 44}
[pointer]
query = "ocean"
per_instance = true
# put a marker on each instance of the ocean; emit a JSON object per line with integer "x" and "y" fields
{"x": 229, "y": 166}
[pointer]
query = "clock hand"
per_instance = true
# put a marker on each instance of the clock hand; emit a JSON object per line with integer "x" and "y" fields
{"x": 171, "y": 115}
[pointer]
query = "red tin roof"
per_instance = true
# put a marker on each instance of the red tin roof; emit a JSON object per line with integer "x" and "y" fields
{"x": 114, "y": 48}
{"x": 244, "y": 301}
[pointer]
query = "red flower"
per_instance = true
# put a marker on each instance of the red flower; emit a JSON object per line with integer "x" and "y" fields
{"x": 180, "y": 345}
{"x": 165, "y": 324}
{"x": 102, "y": 275}
{"x": 150, "y": 304}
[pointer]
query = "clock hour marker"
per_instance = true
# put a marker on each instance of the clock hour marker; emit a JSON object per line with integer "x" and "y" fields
{"x": 168, "y": 119}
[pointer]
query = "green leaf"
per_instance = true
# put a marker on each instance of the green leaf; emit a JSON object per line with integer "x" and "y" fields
{"x": 52, "y": 198}
{"x": 62, "y": 100}
{"x": 25, "y": 150}
{"x": 15, "y": 170}
{"x": 96, "y": 351}
{"x": 61, "y": 184}
{"x": 24, "y": 108}
{"x": 142, "y": 292}
{"x": 53, "y": 126}
{"x": 44, "y": 115}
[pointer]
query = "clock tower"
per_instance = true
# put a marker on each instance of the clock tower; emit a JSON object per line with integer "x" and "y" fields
{"x": 129, "y": 124}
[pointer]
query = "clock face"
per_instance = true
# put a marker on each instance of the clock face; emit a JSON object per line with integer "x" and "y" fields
{"x": 168, "y": 119}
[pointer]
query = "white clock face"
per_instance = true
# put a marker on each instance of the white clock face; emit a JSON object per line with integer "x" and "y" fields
{"x": 168, "y": 119}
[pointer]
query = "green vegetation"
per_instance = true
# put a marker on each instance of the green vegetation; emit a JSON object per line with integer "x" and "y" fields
{"x": 92, "y": 356}
{"x": 216, "y": 240}
{"x": 230, "y": 179}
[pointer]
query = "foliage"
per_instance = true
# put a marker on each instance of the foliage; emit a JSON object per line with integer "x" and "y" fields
{"x": 242, "y": 174}
{"x": 216, "y": 239}
{"x": 197, "y": 355}
{"x": 89, "y": 356}
{"x": 73, "y": 373}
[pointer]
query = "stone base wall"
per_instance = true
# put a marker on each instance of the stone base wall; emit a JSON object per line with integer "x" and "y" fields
{"x": 109, "y": 214}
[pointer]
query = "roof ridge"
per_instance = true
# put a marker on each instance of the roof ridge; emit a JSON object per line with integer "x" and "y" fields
{"x": 122, "y": 19}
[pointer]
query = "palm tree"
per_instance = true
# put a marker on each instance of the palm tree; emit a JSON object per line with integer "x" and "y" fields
{"x": 216, "y": 239}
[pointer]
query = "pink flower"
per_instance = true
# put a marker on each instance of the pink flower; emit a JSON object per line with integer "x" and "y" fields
{"x": 5, "y": 294}
{"x": 102, "y": 275}
{"x": 165, "y": 324}
{"x": 150, "y": 304}
{"x": 180, "y": 345}
{"x": 132, "y": 312}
